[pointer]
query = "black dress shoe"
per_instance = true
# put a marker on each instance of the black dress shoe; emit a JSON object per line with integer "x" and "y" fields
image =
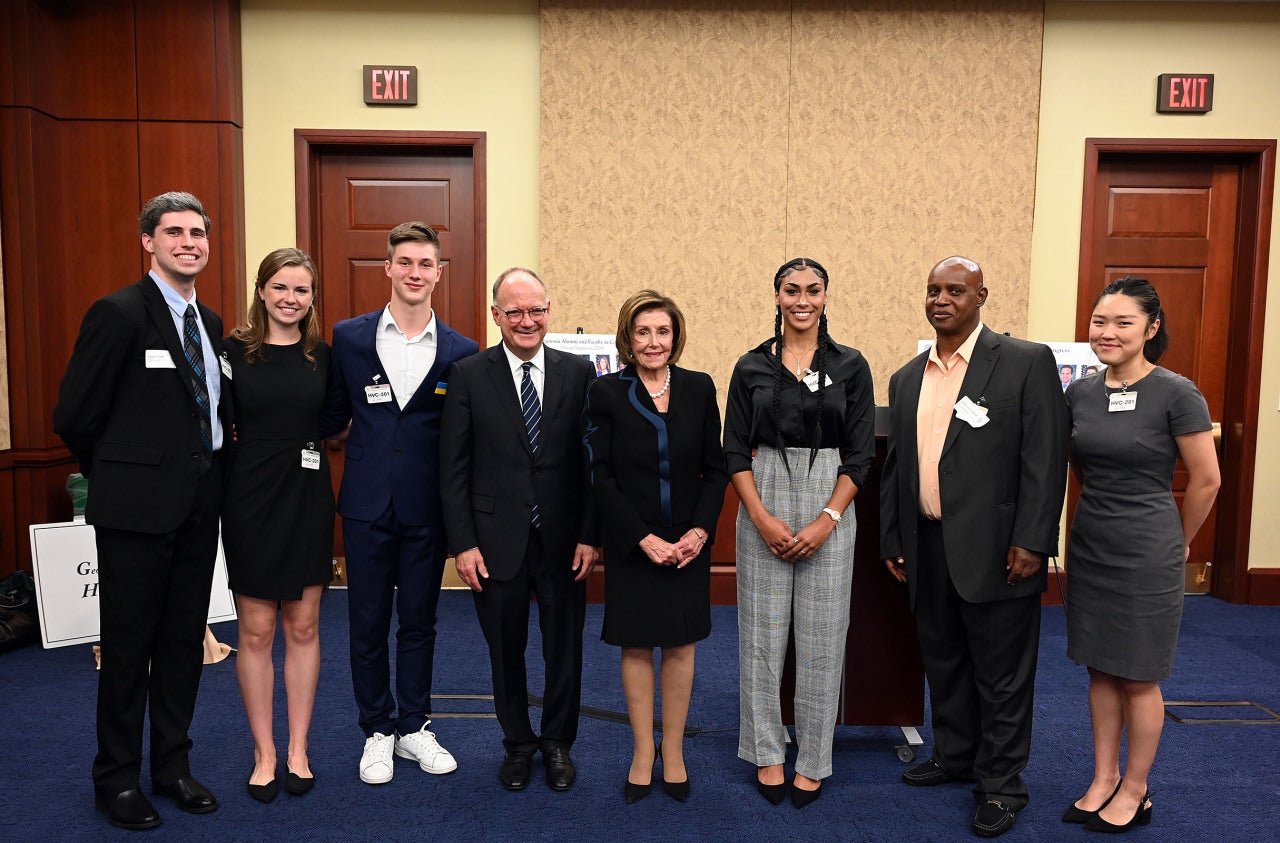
{"x": 129, "y": 810}
{"x": 801, "y": 797}
{"x": 775, "y": 793}
{"x": 993, "y": 818}
{"x": 1080, "y": 816}
{"x": 561, "y": 773}
{"x": 189, "y": 795}
{"x": 296, "y": 784}
{"x": 1142, "y": 816}
{"x": 926, "y": 775}
{"x": 516, "y": 770}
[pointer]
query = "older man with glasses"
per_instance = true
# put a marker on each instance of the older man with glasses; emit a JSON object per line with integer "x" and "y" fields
{"x": 521, "y": 518}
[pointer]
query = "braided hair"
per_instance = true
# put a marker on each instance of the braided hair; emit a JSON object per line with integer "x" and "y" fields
{"x": 820, "y": 357}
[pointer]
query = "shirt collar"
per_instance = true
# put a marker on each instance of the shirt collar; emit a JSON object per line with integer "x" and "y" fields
{"x": 538, "y": 360}
{"x": 172, "y": 297}
{"x": 965, "y": 350}
{"x": 387, "y": 321}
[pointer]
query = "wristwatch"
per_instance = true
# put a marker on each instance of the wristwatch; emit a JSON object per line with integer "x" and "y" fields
{"x": 835, "y": 516}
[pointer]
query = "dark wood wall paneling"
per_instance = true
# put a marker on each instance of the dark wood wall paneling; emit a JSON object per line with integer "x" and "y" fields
{"x": 107, "y": 103}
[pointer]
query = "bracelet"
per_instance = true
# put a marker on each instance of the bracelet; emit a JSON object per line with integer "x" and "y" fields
{"x": 835, "y": 516}
{"x": 702, "y": 537}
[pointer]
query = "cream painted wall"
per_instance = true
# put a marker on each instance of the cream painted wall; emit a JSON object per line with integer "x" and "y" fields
{"x": 1101, "y": 61}
{"x": 477, "y": 71}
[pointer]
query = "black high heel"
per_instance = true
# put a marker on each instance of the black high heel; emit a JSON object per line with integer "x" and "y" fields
{"x": 633, "y": 792}
{"x": 1080, "y": 816}
{"x": 1142, "y": 816}
{"x": 801, "y": 797}
{"x": 678, "y": 791}
{"x": 775, "y": 793}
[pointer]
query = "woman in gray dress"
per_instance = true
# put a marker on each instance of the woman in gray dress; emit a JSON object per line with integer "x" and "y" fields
{"x": 1129, "y": 543}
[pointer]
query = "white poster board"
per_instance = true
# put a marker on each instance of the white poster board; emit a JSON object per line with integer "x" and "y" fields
{"x": 599, "y": 349}
{"x": 1075, "y": 359}
{"x": 65, "y": 559}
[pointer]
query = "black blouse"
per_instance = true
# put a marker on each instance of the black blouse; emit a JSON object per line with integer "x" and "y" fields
{"x": 848, "y": 410}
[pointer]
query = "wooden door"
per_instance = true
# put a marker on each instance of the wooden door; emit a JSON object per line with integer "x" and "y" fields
{"x": 354, "y": 188}
{"x": 1172, "y": 220}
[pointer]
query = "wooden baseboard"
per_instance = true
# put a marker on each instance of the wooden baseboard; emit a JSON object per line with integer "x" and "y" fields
{"x": 1264, "y": 587}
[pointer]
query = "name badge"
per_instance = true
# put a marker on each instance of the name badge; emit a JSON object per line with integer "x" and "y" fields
{"x": 1121, "y": 402}
{"x": 378, "y": 393}
{"x": 310, "y": 458}
{"x": 974, "y": 415}
{"x": 811, "y": 380}
{"x": 226, "y": 366}
{"x": 159, "y": 358}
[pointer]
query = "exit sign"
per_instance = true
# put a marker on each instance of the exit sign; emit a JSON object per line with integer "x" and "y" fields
{"x": 390, "y": 85}
{"x": 1185, "y": 93}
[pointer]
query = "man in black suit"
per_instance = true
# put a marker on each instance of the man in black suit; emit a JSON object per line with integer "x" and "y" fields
{"x": 970, "y": 498}
{"x": 141, "y": 410}
{"x": 521, "y": 517}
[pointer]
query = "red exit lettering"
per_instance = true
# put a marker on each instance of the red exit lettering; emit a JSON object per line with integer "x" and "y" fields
{"x": 1187, "y": 91}
{"x": 390, "y": 84}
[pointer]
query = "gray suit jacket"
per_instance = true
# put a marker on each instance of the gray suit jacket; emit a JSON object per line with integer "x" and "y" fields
{"x": 1001, "y": 485}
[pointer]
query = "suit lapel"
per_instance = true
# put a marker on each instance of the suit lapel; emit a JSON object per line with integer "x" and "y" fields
{"x": 160, "y": 315}
{"x": 909, "y": 399}
{"x": 367, "y": 341}
{"x": 505, "y": 391}
{"x": 444, "y": 356}
{"x": 986, "y": 352}
{"x": 552, "y": 384}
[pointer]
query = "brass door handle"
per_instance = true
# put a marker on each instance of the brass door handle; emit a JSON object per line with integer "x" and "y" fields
{"x": 1217, "y": 437}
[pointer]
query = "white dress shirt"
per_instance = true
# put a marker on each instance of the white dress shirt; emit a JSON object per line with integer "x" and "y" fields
{"x": 406, "y": 360}
{"x": 212, "y": 373}
{"x": 537, "y": 374}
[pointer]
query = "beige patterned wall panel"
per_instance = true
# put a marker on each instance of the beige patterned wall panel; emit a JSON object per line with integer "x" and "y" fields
{"x": 694, "y": 149}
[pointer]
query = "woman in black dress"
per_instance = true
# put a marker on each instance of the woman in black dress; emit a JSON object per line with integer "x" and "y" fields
{"x": 277, "y": 518}
{"x": 1129, "y": 543}
{"x": 653, "y": 439}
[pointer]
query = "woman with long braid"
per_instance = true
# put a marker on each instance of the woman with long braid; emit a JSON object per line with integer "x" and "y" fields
{"x": 798, "y": 441}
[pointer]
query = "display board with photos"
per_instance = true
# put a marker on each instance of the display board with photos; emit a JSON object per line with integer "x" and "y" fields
{"x": 1075, "y": 360}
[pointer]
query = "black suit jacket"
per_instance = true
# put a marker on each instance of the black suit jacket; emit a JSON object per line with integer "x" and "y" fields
{"x": 1001, "y": 484}
{"x": 651, "y": 477}
{"x": 489, "y": 476}
{"x": 133, "y": 429}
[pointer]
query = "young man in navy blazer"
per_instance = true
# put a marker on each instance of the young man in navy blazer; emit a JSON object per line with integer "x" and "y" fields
{"x": 141, "y": 410}
{"x": 389, "y": 376}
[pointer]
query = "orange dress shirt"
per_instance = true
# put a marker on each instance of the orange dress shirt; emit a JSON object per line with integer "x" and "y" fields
{"x": 938, "y": 393}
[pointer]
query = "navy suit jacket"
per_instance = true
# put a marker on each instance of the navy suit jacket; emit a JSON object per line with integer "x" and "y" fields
{"x": 134, "y": 429}
{"x": 491, "y": 478}
{"x": 392, "y": 451}
{"x": 1001, "y": 484}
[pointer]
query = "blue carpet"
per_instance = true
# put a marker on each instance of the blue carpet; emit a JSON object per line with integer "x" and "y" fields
{"x": 1218, "y": 782}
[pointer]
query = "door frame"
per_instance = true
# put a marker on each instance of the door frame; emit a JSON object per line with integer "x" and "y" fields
{"x": 310, "y": 145}
{"x": 1257, "y": 159}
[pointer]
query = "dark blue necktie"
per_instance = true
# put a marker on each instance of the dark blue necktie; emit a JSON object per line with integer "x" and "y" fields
{"x": 532, "y": 411}
{"x": 193, "y": 349}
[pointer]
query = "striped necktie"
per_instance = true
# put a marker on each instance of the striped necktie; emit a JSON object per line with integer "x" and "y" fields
{"x": 532, "y": 411}
{"x": 193, "y": 348}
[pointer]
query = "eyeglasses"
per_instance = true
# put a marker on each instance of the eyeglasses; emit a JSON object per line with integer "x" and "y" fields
{"x": 515, "y": 317}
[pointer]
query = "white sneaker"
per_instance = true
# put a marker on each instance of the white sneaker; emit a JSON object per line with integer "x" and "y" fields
{"x": 422, "y": 746}
{"x": 376, "y": 764}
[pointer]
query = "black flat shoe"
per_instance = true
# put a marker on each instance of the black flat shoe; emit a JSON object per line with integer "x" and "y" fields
{"x": 265, "y": 793}
{"x": 678, "y": 791}
{"x": 926, "y": 774}
{"x": 561, "y": 774}
{"x": 189, "y": 795}
{"x": 296, "y": 784}
{"x": 993, "y": 818}
{"x": 1142, "y": 816}
{"x": 1080, "y": 816}
{"x": 800, "y": 797}
{"x": 129, "y": 809}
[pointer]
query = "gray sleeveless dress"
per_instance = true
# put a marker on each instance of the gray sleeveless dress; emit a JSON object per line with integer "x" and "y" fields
{"x": 1125, "y": 568}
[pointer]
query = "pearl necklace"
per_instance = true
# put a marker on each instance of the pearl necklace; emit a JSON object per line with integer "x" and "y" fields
{"x": 665, "y": 387}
